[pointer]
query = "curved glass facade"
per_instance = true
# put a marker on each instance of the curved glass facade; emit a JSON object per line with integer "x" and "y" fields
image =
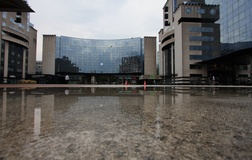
{"x": 235, "y": 24}
{"x": 76, "y": 55}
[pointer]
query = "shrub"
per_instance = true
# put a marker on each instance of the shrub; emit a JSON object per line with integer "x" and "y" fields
{"x": 24, "y": 81}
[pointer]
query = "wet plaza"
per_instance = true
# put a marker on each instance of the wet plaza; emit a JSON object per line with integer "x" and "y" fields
{"x": 153, "y": 123}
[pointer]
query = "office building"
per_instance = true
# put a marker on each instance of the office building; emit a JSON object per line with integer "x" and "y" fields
{"x": 235, "y": 64}
{"x": 235, "y": 24}
{"x": 189, "y": 35}
{"x": 18, "y": 42}
{"x": 99, "y": 61}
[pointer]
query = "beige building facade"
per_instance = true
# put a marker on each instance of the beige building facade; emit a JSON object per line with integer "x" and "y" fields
{"x": 48, "y": 57}
{"x": 150, "y": 55}
{"x": 189, "y": 35}
{"x": 150, "y": 68}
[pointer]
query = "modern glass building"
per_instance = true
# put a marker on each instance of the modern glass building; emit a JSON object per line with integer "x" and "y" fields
{"x": 99, "y": 61}
{"x": 76, "y": 55}
{"x": 235, "y": 24}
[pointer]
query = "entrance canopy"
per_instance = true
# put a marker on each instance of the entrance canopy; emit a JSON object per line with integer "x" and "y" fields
{"x": 237, "y": 57}
{"x": 14, "y": 6}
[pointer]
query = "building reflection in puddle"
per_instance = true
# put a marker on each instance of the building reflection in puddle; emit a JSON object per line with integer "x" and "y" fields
{"x": 121, "y": 115}
{"x": 37, "y": 121}
{"x": 4, "y": 107}
{"x": 40, "y": 104}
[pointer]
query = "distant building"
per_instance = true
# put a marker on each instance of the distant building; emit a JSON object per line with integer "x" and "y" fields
{"x": 18, "y": 43}
{"x": 99, "y": 61}
{"x": 189, "y": 35}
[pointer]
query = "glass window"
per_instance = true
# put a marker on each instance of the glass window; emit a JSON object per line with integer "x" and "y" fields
{"x": 201, "y": 38}
{"x": 206, "y": 48}
{"x": 200, "y": 29}
{"x": 188, "y": 10}
{"x": 242, "y": 15}
{"x": 195, "y": 57}
{"x": 4, "y": 15}
{"x": 243, "y": 67}
{"x": 195, "y": 66}
{"x": 99, "y": 56}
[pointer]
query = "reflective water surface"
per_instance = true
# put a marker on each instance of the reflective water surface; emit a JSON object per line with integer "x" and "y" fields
{"x": 126, "y": 123}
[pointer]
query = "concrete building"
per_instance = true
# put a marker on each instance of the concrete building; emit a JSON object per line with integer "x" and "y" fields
{"x": 95, "y": 61}
{"x": 189, "y": 35}
{"x": 18, "y": 42}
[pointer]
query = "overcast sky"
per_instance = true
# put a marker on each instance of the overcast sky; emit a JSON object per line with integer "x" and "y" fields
{"x": 96, "y": 19}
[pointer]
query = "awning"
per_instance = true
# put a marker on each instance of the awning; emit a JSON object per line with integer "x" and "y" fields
{"x": 14, "y": 6}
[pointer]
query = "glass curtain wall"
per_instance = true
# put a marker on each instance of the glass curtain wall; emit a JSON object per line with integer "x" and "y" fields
{"x": 76, "y": 55}
{"x": 235, "y": 24}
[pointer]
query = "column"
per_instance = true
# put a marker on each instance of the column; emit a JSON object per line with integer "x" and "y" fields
{"x": 6, "y": 62}
{"x": 163, "y": 66}
{"x": 24, "y": 60}
{"x": 173, "y": 63}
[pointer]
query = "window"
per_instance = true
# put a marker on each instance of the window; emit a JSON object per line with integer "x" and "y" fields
{"x": 195, "y": 57}
{"x": 166, "y": 16}
{"x": 4, "y": 15}
{"x": 167, "y": 23}
{"x": 18, "y": 17}
{"x": 202, "y": 48}
{"x": 212, "y": 12}
{"x": 243, "y": 67}
{"x": 201, "y": 11}
{"x": 195, "y": 66}
{"x": 201, "y": 29}
{"x": 201, "y": 38}
{"x": 166, "y": 9}
{"x": 195, "y": 75}
{"x": 188, "y": 10}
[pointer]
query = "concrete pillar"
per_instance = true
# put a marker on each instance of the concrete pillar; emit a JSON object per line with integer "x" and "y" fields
{"x": 24, "y": 60}
{"x": 163, "y": 67}
{"x": 164, "y": 62}
{"x": 6, "y": 61}
{"x": 173, "y": 63}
